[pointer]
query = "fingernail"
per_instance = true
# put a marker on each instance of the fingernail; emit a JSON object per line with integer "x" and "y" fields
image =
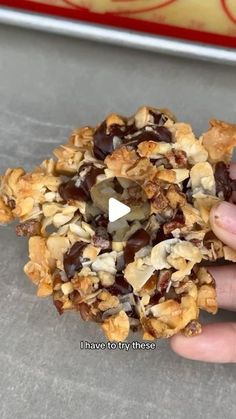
{"x": 225, "y": 216}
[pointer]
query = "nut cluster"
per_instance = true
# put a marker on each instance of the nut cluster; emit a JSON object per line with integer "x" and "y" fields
{"x": 147, "y": 272}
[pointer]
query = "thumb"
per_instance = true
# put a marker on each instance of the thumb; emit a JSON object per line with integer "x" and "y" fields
{"x": 223, "y": 223}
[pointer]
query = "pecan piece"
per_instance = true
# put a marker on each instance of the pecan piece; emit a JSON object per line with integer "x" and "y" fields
{"x": 28, "y": 228}
{"x": 223, "y": 181}
{"x": 193, "y": 328}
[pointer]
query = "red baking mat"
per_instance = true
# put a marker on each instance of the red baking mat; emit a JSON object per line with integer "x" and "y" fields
{"x": 118, "y": 21}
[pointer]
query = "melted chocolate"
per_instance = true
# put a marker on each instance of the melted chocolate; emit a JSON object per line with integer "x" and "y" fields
{"x": 138, "y": 240}
{"x": 120, "y": 286}
{"x": 133, "y": 313}
{"x": 161, "y": 236}
{"x": 159, "y": 118}
{"x": 223, "y": 181}
{"x": 103, "y": 141}
{"x": 72, "y": 259}
{"x": 160, "y": 134}
{"x": 69, "y": 190}
{"x": 155, "y": 298}
{"x": 187, "y": 191}
{"x": 101, "y": 220}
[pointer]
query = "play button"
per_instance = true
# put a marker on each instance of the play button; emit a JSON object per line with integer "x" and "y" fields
{"x": 117, "y": 204}
{"x": 117, "y": 210}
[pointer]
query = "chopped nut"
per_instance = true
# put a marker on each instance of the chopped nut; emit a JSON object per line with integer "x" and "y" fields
{"x": 121, "y": 160}
{"x": 220, "y": 141}
{"x": 106, "y": 278}
{"x": 116, "y": 327}
{"x": 5, "y": 213}
{"x": 153, "y": 150}
{"x": 159, "y": 202}
{"x": 67, "y": 288}
{"x": 137, "y": 273}
{"x": 84, "y": 284}
{"x": 186, "y": 141}
{"x": 107, "y": 301}
{"x": 105, "y": 262}
{"x": 202, "y": 179}
{"x": 175, "y": 197}
{"x": 91, "y": 252}
{"x": 57, "y": 246}
{"x": 28, "y": 228}
{"x": 177, "y": 158}
{"x": 204, "y": 276}
{"x": 206, "y": 299}
{"x": 193, "y": 328}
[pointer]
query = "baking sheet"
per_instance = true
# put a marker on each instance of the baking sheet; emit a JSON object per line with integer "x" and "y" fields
{"x": 48, "y": 86}
{"x": 117, "y": 36}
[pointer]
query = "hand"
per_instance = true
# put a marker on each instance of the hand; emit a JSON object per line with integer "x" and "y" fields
{"x": 217, "y": 343}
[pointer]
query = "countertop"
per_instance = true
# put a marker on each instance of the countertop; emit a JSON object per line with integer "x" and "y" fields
{"x": 49, "y": 85}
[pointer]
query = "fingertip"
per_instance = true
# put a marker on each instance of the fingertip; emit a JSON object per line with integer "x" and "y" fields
{"x": 223, "y": 222}
{"x": 216, "y": 344}
{"x": 183, "y": 345}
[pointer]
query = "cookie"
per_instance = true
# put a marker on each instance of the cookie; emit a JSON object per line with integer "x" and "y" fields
{"x": 148, "y": 269}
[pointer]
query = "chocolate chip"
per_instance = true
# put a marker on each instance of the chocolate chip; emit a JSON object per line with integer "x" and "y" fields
{"x": 161, "y": 236}
{"x": 120, "y": 286}
{"x": 91, "y": 175}
{"x": 136, "y": 242}
{"x": 101, "y": 220}
{"x": 128, "y": 135}
{"x": 157, "y": 135}
{"x": 72, "y": 259}
{"x": 187, "y": 191}
{"x": 68, "y": 190}
{"x": 155, "y": 298}
{"x": 133, "y": 313}
{"x": 103, "y": 140}
{"x": 158, "y": 118}
{"x": 79, "y": 189}
{"x": 223, "y": 181}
